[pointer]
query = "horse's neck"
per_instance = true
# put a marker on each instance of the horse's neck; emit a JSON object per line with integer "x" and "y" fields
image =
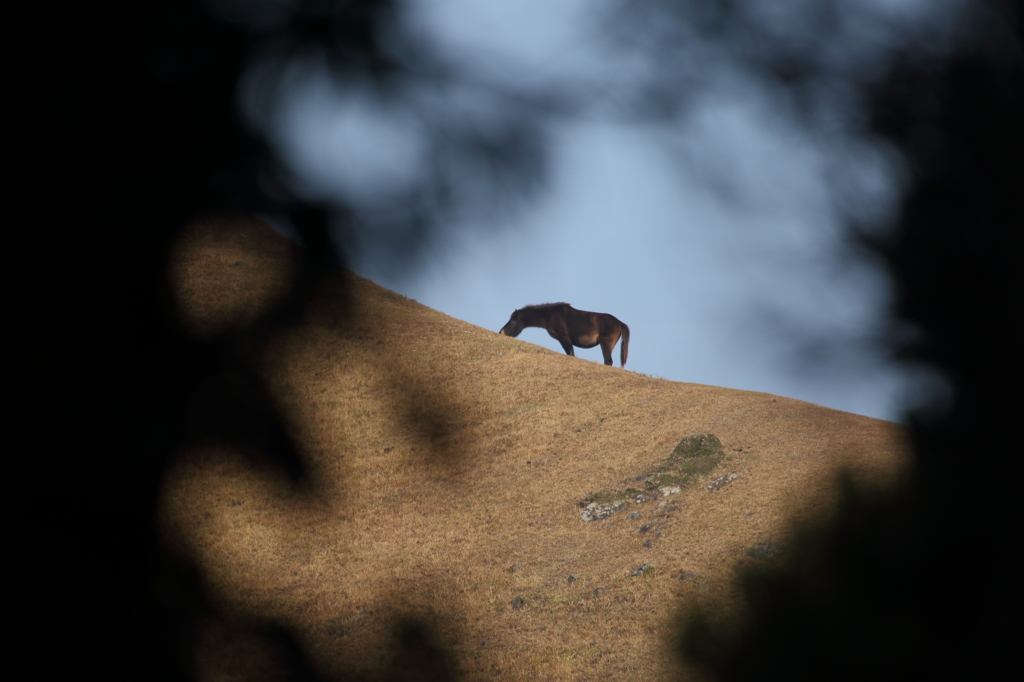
{"x": 540, "y": 319}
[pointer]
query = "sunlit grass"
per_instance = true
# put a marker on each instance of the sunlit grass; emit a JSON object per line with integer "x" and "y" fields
{"x": 442, "y": 455}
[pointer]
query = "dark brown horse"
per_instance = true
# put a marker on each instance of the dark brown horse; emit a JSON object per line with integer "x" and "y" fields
{"x": 572, "y": 327}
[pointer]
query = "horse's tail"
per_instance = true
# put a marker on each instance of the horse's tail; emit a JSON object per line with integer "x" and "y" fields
{"x": 624, "y": 350}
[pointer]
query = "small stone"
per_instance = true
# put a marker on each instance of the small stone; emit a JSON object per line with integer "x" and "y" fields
{"x": 633, "y": 516}
{"x": 515, "y": 567}
{"x": 595, "y": 511}
{"x": 642, "y": 570}
{"x": 518, "y": 604}
{"x": 573, "y": 577}
{"x": 648, "y": 543}
{"x": 722, "y": 481}
{"x": 684, "y": 576}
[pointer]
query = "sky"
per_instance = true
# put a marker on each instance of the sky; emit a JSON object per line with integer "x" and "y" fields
{"x": 720, "y": 235}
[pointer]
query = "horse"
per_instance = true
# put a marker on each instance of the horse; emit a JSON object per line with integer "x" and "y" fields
{"x": 571, "y": 327}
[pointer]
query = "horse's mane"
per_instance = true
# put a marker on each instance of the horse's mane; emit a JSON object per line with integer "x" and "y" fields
{"x": 539, "y": 306}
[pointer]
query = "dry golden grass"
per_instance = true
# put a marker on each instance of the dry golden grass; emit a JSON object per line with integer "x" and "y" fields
{"x": 447, "y": 464}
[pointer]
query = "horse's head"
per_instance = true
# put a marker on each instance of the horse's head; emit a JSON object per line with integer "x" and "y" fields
{"x": 514, "y": 325}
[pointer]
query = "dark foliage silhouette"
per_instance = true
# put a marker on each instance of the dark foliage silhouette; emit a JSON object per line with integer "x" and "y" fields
{"x": 133, "y": 132}
{"x": 873, "y": 595}
{"x": 127, "y": 128}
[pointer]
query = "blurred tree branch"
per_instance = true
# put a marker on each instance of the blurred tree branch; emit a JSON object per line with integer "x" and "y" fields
{"x": 133, "y": 129}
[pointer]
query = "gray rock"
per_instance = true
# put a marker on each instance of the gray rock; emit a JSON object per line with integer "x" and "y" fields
{"x": 722, "y": 481}
{"x": 595, "y": 511}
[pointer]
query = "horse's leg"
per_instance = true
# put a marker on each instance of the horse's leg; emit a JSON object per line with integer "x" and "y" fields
{"x": 558, "y": 331}
{"x": 610, "y": 332}
{"x": 607, "y": 344}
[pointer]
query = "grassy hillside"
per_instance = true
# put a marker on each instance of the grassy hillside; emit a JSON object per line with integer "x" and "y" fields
{"x": 448, "y": 468}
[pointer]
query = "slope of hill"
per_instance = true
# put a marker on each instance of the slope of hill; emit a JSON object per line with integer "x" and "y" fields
{"x": 447, "y": 468}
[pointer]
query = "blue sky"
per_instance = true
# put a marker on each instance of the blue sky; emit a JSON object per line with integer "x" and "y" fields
{"x": 717, "y": 235}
